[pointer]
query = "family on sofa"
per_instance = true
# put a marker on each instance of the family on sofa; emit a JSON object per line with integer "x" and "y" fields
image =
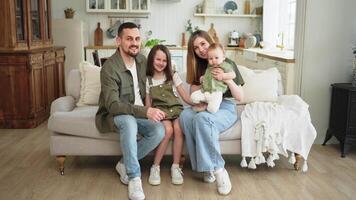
{"x": 121, "y": 108}
{"x": 142, "y": 96}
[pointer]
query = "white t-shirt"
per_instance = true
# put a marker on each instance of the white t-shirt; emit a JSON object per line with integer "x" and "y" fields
{"x": 176, "y": 82}
{"x": 133, "y": 70}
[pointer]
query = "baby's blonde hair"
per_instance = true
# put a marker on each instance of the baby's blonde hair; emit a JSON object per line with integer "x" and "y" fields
{"x": 215, "y": 46}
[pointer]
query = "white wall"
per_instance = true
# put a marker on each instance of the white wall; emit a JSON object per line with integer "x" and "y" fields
{"x": 330, "y": 35}
{"x": 167, "y": 19}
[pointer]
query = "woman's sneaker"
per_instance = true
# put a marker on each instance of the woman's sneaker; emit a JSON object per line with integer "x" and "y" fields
{"x": 135, "y": 189}
{"x": 155, "y": 177}
{"x": 223, "y": 181}
{"x": 177, "y": 175}
{"x": 208, "y": 177}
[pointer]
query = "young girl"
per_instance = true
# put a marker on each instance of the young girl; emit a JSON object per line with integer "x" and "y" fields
{"x": 161, "y": 87}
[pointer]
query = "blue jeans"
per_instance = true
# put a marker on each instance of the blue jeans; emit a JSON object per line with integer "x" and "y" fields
{"x": 201, "y": 130}
{"x": 132, "y": 150}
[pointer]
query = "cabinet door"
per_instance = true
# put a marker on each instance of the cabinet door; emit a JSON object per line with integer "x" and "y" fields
{"x": 47, "y": 22}
{"x": 96, "y": 5}
{"x": 231, "y": 54}
{"x": 139, "y": 6}
{"x": 20, "y": 20}
{"x": 50, "y": 75}
{"x": 15, "y": 90}
{"x": 35, "y": 23}
{"x": 37, "y": 83}
{"x": 118, "y": 5}
{"x": 89, "y": 55}
{"x": 177, "y": 59}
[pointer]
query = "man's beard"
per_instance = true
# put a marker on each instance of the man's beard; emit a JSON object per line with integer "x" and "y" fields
{"x": 130, "y": 53}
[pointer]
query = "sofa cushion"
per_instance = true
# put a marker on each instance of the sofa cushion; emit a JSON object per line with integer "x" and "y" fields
{"x": 259, "y": 85}
{"x": 89, "y": 85}
{"x": 80, "y": 122}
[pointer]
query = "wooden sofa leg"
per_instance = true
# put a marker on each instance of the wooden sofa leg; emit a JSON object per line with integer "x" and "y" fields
{"x": 60, "y": 160}
{"x": 298, "y": 161}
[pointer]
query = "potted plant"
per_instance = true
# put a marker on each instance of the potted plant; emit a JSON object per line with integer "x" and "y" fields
{"x": 69, "y": 13}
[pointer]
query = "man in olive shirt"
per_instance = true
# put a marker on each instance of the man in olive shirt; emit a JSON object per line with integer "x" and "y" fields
{"x": 121, "y": 108}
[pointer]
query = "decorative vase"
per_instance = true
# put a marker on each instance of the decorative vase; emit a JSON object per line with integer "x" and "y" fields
{"x": 354, "y": 73}
{"x": 98, "y": 36}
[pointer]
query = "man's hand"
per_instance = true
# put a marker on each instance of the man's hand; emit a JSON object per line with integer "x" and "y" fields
{"x": 155, "y": 114}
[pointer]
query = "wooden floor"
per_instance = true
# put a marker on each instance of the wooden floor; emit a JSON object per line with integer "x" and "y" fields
{"x": 27, "y": 171}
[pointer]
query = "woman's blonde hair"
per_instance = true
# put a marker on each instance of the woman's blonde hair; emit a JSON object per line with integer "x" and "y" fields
{"x": 196, "y": 66}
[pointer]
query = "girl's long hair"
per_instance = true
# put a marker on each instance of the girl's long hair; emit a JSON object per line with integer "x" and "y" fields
{"x": 150, "y": 59}
{"x": 196, "y": 66}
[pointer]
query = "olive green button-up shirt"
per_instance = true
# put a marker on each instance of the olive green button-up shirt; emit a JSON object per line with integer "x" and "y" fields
{"x": 117, "y": 91}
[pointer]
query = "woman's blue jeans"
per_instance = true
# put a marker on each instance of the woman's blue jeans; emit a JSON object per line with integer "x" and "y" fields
{"x": 201, "y": 130}
{"x": 132, "y": 149}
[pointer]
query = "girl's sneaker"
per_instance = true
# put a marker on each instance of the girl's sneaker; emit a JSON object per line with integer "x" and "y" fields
{"x": 155, "y": 177}
{"x": 177, "y": 175}
{"x": 208, "y": 177}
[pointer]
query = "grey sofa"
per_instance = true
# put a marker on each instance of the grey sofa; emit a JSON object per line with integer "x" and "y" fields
{"x": 73, "y": 131}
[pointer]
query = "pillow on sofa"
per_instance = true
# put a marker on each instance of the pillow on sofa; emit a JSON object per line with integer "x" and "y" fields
{"x": 260, "y": 85}
{"x": 89, "y": 85}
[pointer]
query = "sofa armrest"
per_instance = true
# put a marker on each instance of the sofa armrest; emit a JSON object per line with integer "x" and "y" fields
{"x": 63, "y": 104}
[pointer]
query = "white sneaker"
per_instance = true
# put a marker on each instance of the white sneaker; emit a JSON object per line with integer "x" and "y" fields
{"x": 155, "y": 177}
{"x": 223, "y": 181}
{"x": 208, "y": 177}
{"x": 121, "y": 170}
{"x": 177, "y": 175}
{"x": 135, "y": 189}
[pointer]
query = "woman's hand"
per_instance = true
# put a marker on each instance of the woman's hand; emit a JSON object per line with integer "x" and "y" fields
{"x": 218, "y": 73}
{"x": 201, "y": 79}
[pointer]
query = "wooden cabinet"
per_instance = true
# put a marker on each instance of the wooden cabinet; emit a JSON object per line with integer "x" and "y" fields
{"x": 342, "y": 121}
{"x": 31, "y": 69}
{"x": 30, "y": 81}
{"x": 118, "y": 6}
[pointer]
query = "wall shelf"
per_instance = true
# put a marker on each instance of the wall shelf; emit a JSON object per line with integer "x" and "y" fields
{"x": 225, "y": 15}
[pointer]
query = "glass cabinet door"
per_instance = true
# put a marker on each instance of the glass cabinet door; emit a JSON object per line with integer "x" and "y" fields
{"x": 35, "y": 20}
{"x": 47, "y": 18}
{"x": 139, "y": 5}
{"x": 96, "y": 5}
{"x": 118, "y": 5}
{"x": 20, "y": 25}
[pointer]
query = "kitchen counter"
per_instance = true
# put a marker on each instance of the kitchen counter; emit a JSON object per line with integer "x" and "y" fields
{"x": 286, "y": 56}
{"x": 275, "y": 54}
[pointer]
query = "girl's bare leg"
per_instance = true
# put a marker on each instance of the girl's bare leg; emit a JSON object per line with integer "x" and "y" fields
{"x": 162, "y": 147}
{"x": 177, "y": 141}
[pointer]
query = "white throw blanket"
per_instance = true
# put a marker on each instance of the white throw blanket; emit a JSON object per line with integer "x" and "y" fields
{"x": 276, "y": 128}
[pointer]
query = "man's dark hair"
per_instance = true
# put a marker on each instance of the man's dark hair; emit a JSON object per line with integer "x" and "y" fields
{"x": 125, "y": 25}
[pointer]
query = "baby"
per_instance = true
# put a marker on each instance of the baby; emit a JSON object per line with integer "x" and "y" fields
{"x": 213, "y": 89}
